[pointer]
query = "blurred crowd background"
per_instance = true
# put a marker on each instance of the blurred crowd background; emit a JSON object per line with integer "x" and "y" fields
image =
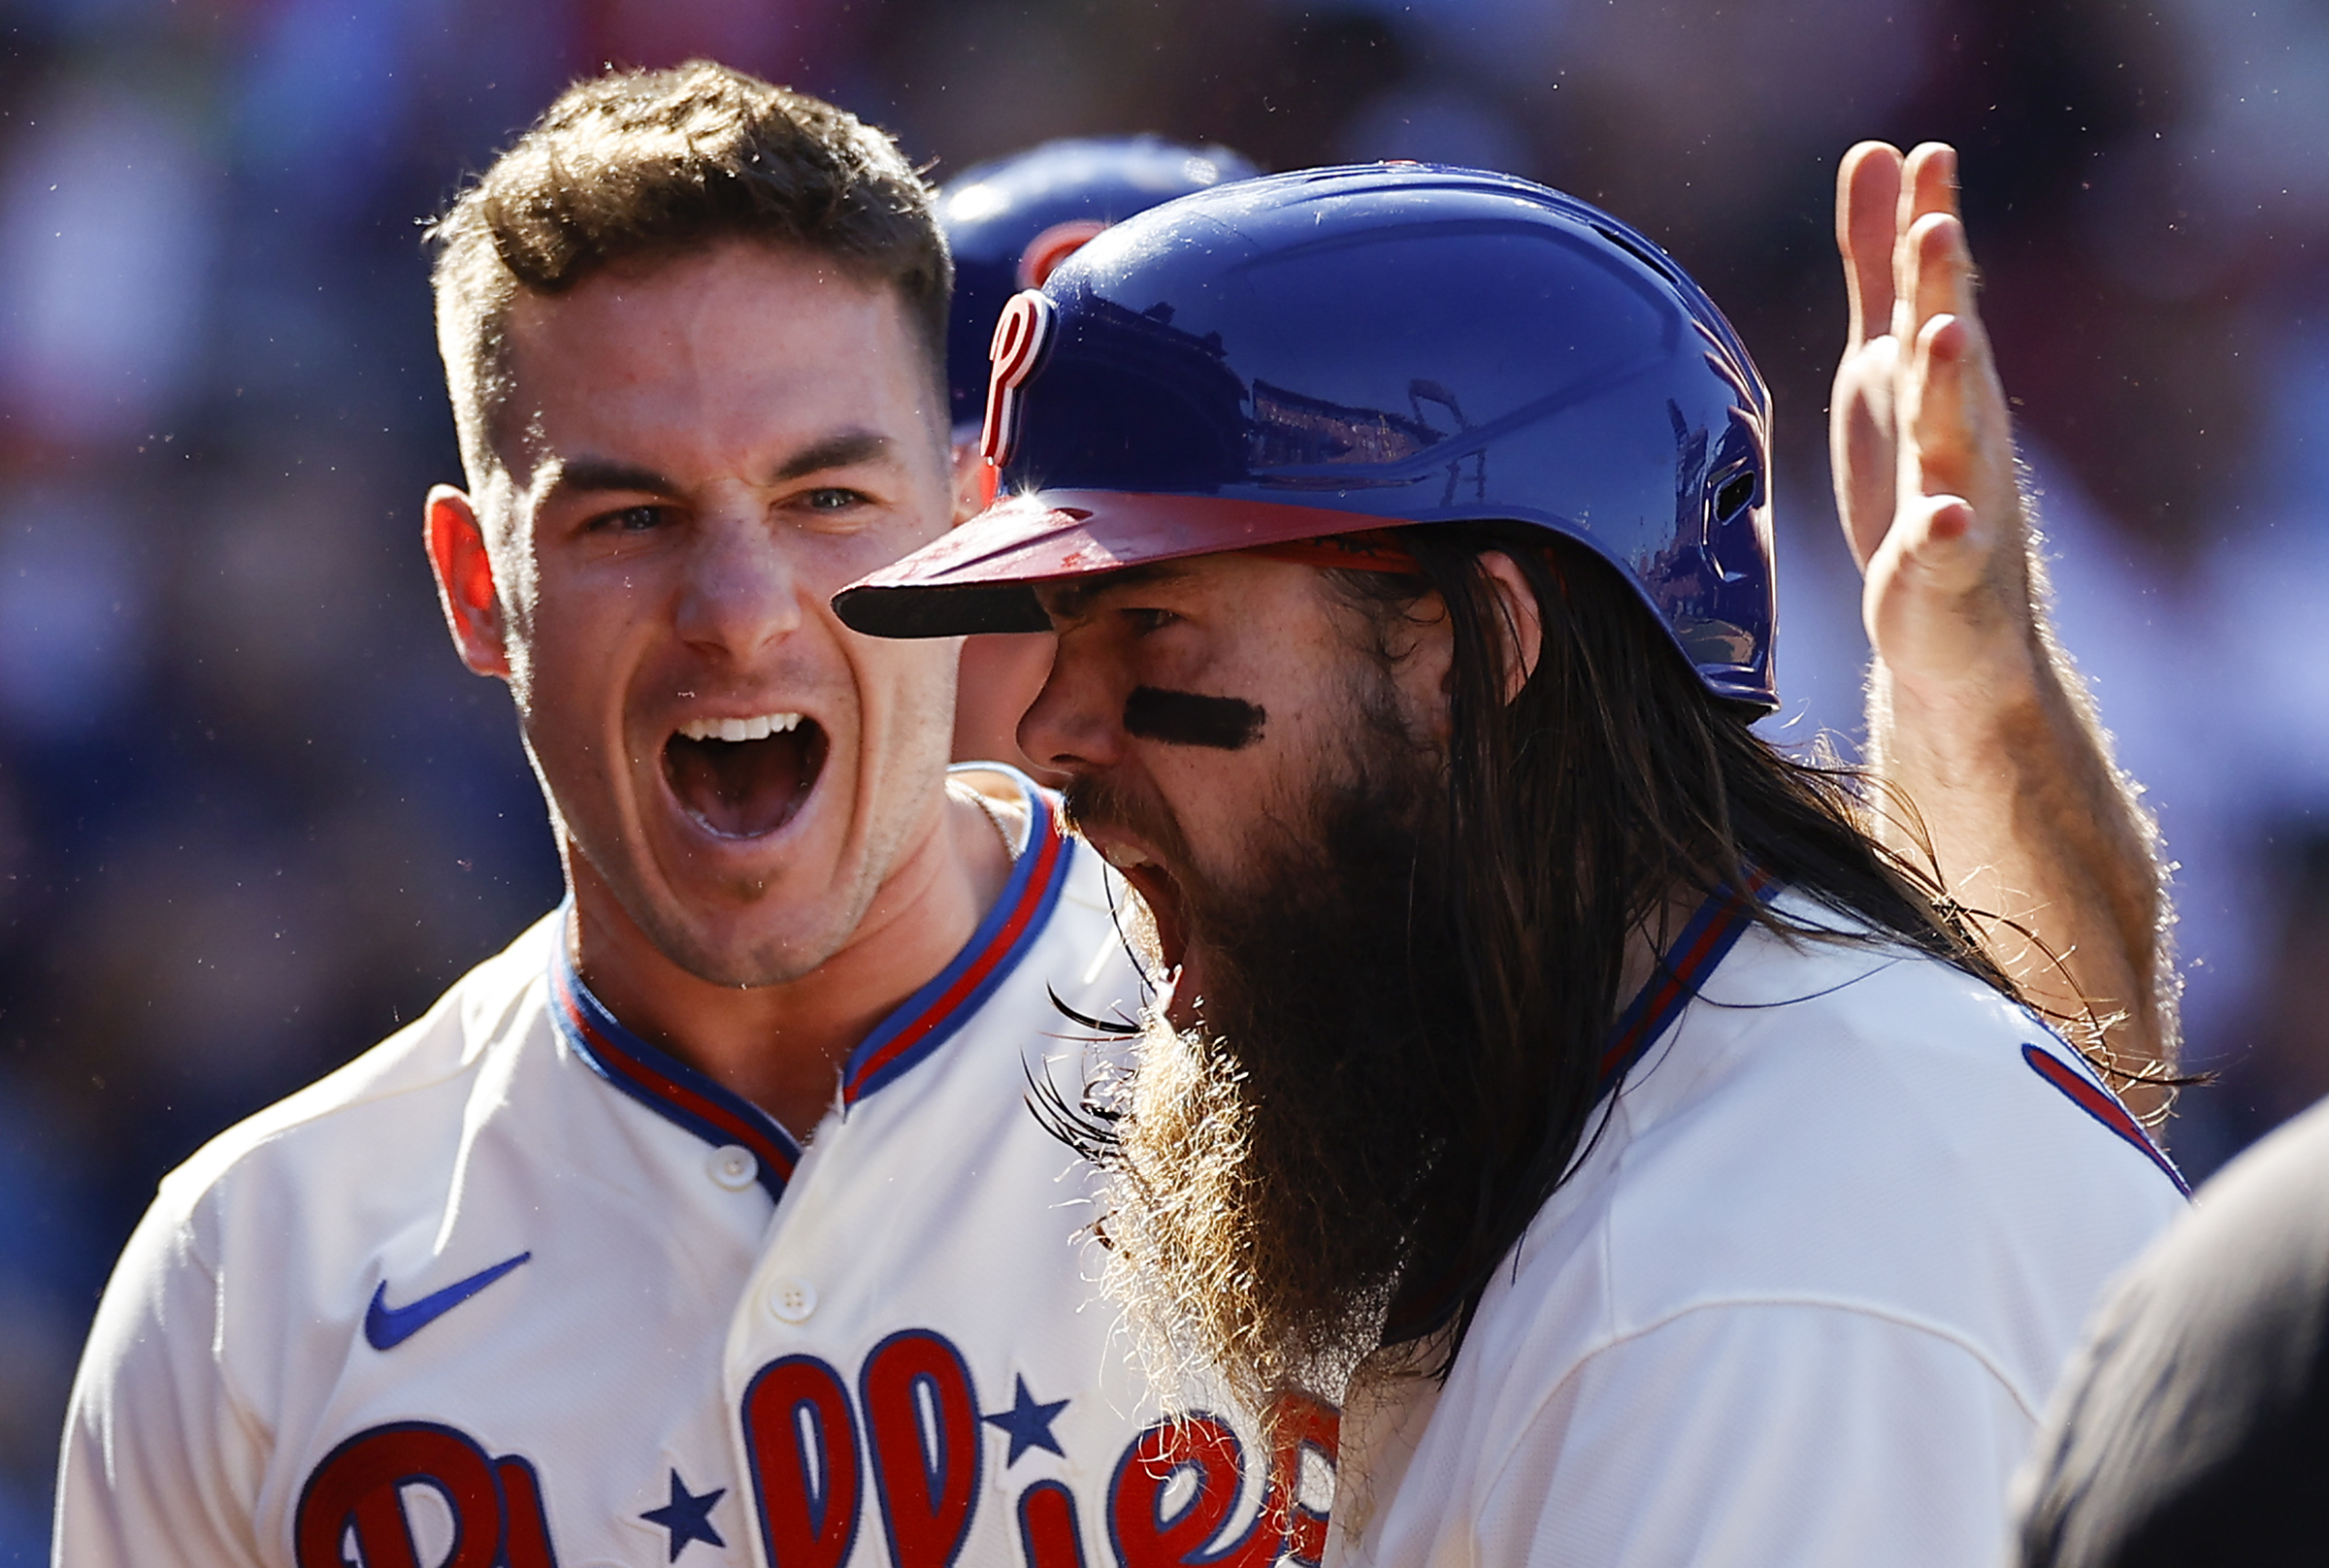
{"x": 253, "y": 814}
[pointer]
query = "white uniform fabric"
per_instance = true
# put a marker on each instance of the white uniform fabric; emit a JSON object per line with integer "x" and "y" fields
{"x": 1802, "y": 1302}
{"x": 515, "y": 1289}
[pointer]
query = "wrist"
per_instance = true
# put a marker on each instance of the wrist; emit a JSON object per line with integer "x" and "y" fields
{"x": 1972, "y": 705}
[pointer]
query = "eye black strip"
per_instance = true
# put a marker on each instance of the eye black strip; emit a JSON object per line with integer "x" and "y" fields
{"x": 1187, "y": 719}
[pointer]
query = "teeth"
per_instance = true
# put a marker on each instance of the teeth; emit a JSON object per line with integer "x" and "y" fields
{"x": 1124, "y": 857}
{"x": 734, "y": 730}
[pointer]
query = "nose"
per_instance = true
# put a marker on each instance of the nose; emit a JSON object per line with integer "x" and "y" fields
{"x": 740, "y": 591}
{"x": 1076, "y": 721}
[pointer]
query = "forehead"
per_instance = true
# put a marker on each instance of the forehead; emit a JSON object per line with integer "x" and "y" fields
{"x": 1224, "y": 576}
{"x": 736, "y": 345}
{"x": 1254, "y": 596}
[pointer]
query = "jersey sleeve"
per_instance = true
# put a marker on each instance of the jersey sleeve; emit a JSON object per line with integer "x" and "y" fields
{"x": 1739, "y": 1436}
{"x": 160, "y": 1461}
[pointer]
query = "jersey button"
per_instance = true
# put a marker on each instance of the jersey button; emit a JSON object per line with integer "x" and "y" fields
{"x": 792, "y": 1300}
{"x": 733, "y": 1166}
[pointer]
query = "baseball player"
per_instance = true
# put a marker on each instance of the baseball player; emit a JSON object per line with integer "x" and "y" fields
{"x": 1008, "y": 222}
{"x": 706, "y": 1224}
{"x": 1665, "y": 1169}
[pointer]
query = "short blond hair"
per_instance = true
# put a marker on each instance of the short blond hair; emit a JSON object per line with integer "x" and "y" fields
{"x": 637, "y": 164}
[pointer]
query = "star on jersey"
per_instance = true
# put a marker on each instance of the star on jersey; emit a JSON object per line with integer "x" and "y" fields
{"x": 1029, "y": 1423}
{"x": 687, "y": 1517}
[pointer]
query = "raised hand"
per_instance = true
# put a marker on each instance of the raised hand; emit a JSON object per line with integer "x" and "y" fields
{"x": 1920, "y": 439}
{"x": 1974, "y": 716}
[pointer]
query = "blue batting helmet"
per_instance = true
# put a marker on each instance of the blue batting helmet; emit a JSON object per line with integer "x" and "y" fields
{"x": 1011, "y": 220}
{"x": 1340, "y": 350}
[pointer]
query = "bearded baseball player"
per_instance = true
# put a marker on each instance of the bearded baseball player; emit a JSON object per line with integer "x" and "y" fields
{"x": 1008, "y": 223}
{"x": 708, "y": 1222}
{"x": 1665, "y": 1168}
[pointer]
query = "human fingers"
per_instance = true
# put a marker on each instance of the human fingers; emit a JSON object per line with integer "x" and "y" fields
{"x": 1957, "y": 438}
{"x": 1927, "y": 187}
{"x": 1946, "y": 289}
{"x": 1940, "y": 273}
{"x": 1931, "y": 539}
{"x": 1937, "y": 414}
{"x": 1929, "y": 181}
{"x": 1867, "y": 200}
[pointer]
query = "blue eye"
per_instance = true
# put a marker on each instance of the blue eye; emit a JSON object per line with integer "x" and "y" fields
{"x": 631, "y": 519}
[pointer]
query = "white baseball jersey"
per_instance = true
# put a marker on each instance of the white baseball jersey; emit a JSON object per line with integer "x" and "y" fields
{"x": 518, "y": 1290}
{"x": 1802, "y": 1300}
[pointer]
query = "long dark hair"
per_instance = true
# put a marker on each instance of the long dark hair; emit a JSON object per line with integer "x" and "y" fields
{"x": 1575, "y": 811}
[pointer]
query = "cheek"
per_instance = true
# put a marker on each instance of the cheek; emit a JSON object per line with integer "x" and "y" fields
{"x": 572, "y": 650}
{"x": 904, "y": 699}
{"x": 925, "y": 682}
{"x": 577, "y": 658}
{"x": 577, "y": 608}
{"x": 1222, "y": 800}
{"x": 1273, "y": 774}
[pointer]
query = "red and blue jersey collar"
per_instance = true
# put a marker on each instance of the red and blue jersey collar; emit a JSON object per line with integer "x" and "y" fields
{"x": 912, "y": 1032}
{"x": 1705, "y": 941}
{"x": 928, "y": 1018}
{"x": 661, "y": 1081}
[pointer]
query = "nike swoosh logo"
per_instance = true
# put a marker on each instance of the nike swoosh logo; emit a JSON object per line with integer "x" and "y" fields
{"x": 385, "y": 1327}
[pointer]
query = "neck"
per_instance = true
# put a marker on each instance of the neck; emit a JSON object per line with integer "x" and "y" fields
{"x": 1647, "y": 940}
{"x": 1647, "y": 945}
{"x": 782, "y": 1045}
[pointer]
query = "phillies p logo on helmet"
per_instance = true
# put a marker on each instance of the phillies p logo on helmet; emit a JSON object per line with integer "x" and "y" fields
{"x": 1019, "y": 341}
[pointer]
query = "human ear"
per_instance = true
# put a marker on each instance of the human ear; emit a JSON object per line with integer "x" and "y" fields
{"x": 1520, "y": 619}
{"x": 465, "y": 587}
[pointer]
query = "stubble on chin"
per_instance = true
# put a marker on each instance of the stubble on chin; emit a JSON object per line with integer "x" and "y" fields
{"x": 708, "y": 939}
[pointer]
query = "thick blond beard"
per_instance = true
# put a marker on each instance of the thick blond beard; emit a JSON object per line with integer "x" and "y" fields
{"x": 1195, "y": 1274}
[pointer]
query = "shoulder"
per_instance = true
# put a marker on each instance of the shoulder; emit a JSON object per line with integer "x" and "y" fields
{"x": 259, "y": 1238}
{"x": 1842, "y": 1123}
{"x": 1804, "y": 1056}
{"x": 377, "y": 1104}
{"x": 1009, "y": 1010}
{"x": 1070, "y": 895}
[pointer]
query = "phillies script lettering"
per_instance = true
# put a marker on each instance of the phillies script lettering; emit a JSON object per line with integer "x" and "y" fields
{"x": 911, "y": 1423}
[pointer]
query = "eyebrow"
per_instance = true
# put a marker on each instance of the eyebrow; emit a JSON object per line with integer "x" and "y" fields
{"x": 1067, "y": 598}
{"x": 606, "y": 473}
{"x": 845, "y": 450}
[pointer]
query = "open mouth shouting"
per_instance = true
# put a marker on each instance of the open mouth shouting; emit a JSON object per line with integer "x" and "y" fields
{"x": 745, "y": 778}
{"x": 1161, "y": 893}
